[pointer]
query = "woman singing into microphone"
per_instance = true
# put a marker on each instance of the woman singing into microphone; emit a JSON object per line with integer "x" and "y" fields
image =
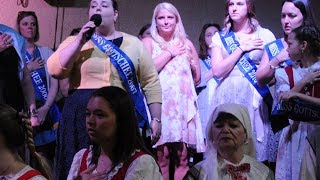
{"x": 88, "y": 67}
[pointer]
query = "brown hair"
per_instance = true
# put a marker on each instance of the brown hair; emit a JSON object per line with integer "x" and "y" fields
{"x": 202, "y": 42}
{"x": 251, "y": 14}
{"x": 23, "y": 14}
{"x": 16, "y": 129}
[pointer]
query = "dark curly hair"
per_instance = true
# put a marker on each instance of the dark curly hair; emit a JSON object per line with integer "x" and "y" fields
{"x": 311, "y": 35}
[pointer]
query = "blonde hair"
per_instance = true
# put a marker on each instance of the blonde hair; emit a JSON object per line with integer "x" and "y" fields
{"x": 179, "y": 33}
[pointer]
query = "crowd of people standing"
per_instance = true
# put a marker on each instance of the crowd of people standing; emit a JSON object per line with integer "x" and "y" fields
{"x": 153, "y": 107}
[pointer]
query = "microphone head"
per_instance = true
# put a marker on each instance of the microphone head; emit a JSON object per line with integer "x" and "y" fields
{"x": 96, "y": 18}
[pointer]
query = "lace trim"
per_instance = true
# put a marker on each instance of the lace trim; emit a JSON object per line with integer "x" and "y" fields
{"x": 119, "y": 166}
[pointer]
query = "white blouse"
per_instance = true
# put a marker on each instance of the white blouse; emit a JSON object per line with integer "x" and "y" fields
{"x": 21, "y": 173}
{"x": 144, "y": 167}
{"x": 257, "y": 170}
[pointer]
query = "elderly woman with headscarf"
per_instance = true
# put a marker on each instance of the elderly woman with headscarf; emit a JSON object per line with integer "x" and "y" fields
{"x": 230, "y": 148}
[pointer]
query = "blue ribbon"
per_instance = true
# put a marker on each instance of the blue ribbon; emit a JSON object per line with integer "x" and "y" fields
{"x": 246, "y": 66}
{"x": 39, "y": 82}
{"x": 126, "y": 70}
{"x": 207, "y": 63}
{"x": 296, "y": 110}
{"x": 41, "y": 88}
{"x": 273, "y": 49}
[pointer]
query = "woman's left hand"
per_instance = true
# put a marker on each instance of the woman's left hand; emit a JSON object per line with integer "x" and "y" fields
{"x": 286, "y": 96}
{"x": 42, "y": 113}
{"x": 156, "y": 131}
{"x": 35, "y": 64}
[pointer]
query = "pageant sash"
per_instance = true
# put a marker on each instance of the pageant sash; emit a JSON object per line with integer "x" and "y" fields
{"x": 207, "y": 63}
{"x": 127, "y": 72}
{"x": 43, "y": 135}
{"x": 274, "y": 48}
{"x": 296, "y": 110}
{"x": 247, "y": 67}
{"x": 41, "y": 88}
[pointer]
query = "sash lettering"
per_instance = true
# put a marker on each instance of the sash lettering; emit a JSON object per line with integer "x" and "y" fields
{"x": 126, "y": 70}
{"x": 274, "y": 48}
{"x": 246, "y": 66}
{"x": 207, "y": 63}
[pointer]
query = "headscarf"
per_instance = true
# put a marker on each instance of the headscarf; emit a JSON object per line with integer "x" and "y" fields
{"x": 242, "y": 114}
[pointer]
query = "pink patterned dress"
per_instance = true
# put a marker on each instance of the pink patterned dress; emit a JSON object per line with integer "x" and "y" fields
{"x": 180, "y": 117}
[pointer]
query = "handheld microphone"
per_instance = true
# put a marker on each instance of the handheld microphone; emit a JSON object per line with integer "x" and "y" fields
{"x": 96, "y": 18}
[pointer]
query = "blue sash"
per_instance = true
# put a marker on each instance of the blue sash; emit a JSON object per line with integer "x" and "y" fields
{"x": 247, "y": 67}
{"x": 207, "y": 63}
{"x": 273, "y": 49}
{"x": 39, "y": 81}
{"x": 296, "y": 110}
{"x": 127, "y": 72}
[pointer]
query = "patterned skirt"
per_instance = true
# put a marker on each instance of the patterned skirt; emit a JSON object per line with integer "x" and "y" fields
{"x": 72, "y": 134}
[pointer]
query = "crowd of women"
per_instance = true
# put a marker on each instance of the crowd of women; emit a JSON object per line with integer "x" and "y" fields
{"x": 153, "y": 107}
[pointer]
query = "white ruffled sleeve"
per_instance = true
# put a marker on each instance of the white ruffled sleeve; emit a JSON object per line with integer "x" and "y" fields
{"x": 282, "y": 81}
{"x": 144, "y": 167}
{"x": 76, "y": 163}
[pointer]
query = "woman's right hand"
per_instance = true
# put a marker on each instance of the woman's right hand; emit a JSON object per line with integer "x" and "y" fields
{"x": 81, "y": 37}
{"x": 252, "y": 44}
{"x": 176, "y": 50}
{"x": 5, "y": 42}
{"x": 283, "y": 56}
{"x": 35, "y": 64}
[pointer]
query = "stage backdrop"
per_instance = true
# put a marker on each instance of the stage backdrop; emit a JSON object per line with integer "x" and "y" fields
{"x": 56, "y": 22}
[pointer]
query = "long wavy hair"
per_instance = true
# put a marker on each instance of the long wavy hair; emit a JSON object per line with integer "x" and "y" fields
{"x": 251, "y": 14}
{"x": 179, "y": 33}
{"x": 202, "y": 42}
{"x": 128, "y": 134}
